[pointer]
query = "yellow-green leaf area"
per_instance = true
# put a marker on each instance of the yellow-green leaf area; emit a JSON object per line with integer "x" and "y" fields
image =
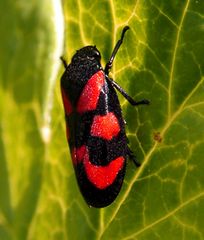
{"x": 161, "y": 59}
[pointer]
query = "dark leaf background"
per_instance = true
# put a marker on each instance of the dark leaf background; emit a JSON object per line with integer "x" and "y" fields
{"x": 161, "y": 59}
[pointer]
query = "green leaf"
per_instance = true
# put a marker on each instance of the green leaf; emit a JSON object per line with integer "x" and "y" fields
{"x": 29, "y": 62}
{"x": 161, "y": 59}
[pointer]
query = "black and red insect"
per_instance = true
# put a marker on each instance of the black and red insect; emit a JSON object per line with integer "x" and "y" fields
{"x": 95, "y": 126}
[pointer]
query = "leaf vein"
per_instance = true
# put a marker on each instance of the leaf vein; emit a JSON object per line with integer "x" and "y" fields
{"x": 174, "y": 211}
{"x": 174, "y": 57}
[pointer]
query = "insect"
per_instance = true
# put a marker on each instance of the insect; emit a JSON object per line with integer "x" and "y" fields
{"x": 95, "y": 127}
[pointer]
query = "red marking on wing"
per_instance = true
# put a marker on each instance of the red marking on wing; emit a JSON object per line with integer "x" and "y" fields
{"x": 103, "y": 176}
{"x": 91, "y": 92}
{"x": 66, "y": 102}
{"x": 106, "y": 126}
{"x": 100, "y": 176}
{"x": 78, "y": 154}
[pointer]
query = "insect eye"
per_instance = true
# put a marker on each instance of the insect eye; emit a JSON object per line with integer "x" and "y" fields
{"x": 97, "y": 54}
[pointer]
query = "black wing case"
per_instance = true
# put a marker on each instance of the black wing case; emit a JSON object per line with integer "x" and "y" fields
{"x": 99, "y": 147}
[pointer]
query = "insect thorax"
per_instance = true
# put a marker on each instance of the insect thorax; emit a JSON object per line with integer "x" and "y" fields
{"x": 85, "y": 63}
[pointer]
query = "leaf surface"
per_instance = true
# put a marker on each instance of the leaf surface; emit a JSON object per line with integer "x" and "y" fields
{"x": 161, "y": 59}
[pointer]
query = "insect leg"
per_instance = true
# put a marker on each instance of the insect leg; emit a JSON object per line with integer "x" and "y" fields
{"x": 115, "y": 50}
{"x": 64, "y": 62}
{"x": 132, "y": 157}
{"x": 123, "y": 92}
